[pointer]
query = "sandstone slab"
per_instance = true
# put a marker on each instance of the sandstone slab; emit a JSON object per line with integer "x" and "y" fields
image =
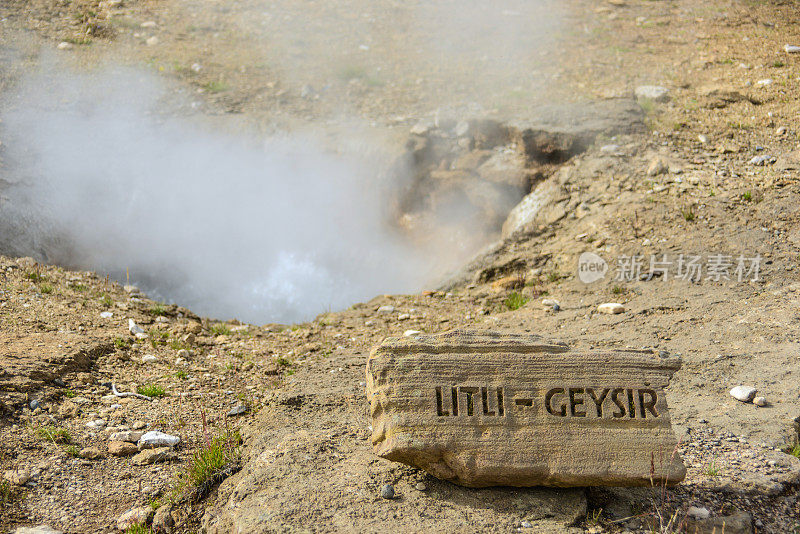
{"x": 485, "y": 409}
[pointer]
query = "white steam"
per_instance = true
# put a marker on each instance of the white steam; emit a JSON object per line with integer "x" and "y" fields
{"x": 273, "y": 231}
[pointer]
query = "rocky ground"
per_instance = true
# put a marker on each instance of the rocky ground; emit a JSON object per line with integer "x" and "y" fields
{"x": 706, "y": 167}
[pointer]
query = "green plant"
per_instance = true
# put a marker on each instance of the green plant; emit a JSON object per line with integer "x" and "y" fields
{"x": 747, "y": 196}
{"x": 712, "y": 469}
{"x": 68, "y": 393}
{"x": 283, "y": 362}
{"x": 56, "y": 435}
{"x": 35, "y": 277}
{"x": 5, "y": 492}
{"x": 122, "y": 343}
{"x": 794, "y": 450}
{"x": 647, "y": 105}
{"x": 46, "y": 289}
{"x": 688, "y": 213}
{"x": 155, "y": 504}
{"x": 217, "y": 459}
{"x": 220, "y": 329}
{"x": 157, "y": 337}
{"x": 151, "y": 390}
{"x": 594, "y": 517}
{"x": 182, "y": 375}
{"x": 106, "y": 301}
{"x": 157, "y": 309}
{"x": 73, "y": 451}
{"x": 79, "y": 287}
{"x": 177, "y": 344}
{"x": 617, "y": 290}
{"x": 138, "y": 528}
{"x": 515, "y": 301}
{"x": 778, "y": 64}
{"x": 554, "y": 276}
{"x": 216, "y": 86}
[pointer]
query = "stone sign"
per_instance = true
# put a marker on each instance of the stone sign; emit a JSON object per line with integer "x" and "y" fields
{"x": 485, "y": 409}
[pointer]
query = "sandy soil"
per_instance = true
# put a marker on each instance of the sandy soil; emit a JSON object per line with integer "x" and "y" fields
{"x": 686, "y": 186}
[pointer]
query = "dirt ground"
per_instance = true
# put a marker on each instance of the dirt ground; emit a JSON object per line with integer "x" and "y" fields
{"x": 691, "y": 183}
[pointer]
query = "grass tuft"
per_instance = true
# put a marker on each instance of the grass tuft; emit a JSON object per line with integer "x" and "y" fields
{"x": 56, "y": 435}
{"x": 220, "y": 329}
{"x": 151, "y": 390}
{"x": 45, "y": 289}
{"x": 794, "y": 450}
{"x": 138, "y": 528}
{"x": 73, "y": 451}
{"x": 515, "y": 301}
{"x": 688, "y": 214}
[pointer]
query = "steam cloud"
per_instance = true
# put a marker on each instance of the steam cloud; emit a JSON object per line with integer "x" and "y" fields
{"x": 278, "y": 231}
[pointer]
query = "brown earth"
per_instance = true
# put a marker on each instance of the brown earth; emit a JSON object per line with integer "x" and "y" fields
{"x": 306, "y": 458}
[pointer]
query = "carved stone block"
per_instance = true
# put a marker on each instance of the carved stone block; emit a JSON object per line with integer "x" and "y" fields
{"x": 484, "y": 409}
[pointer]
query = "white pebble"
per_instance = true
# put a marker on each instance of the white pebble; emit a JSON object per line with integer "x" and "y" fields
{"x": 64, "y": 46}
{"x": 698, "y": 513}
{"x": 760, "y": 401}
{"x": 106, "y": 315}
{"x": 743, "y": 393}
{"x": 611, "y": 308}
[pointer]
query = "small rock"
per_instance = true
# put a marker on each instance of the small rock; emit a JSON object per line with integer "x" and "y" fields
{"x": 138, "y": 425}
{"x": 762, "y": 160}
{"x": 134, "y": 328}
{"x": 422, "y": 127}
{"x": 134, "y": 516}
{"x": 609, "y": 149}
{"x": 34, "y": 404}
{"x": 702, "y": 138}
{"x": 122, "y": 448}
{"x": 764, "y": 82}
{"x": 698, "y": 513}
{"x": 403, "y": 317}
{"x": 149, "y": 358}
{"x": 68, "y": 409}
{"x": 152, "y": 41}
{"x": 148, "y": 24}
{"x": 130, "y": 289}
{"x": 106, "y": 315}
{"x": 611, "y": 308}
{"x": 154, "y": 438}
{"x": 409, "y": 333}
{"x": 238, "y": 410}
{"x": 652, "y": 92}
{"x": 387, "y": 491}
{"x": 781, "y": 130}
{"x": 65, "y": 46}
{"x": 760, "y": 401}
{"x": 162, "y": 520}
{"x": 183, "y": 353}
{"x": 738, "y": 523}
{"x": 743, "y": 393}
{"x": 420, "y": 486}
{"x": 96, "y": 424}
{"x": 657, "y": 166}
{"x": 17, "y": 477}
{"x": 91, "y": 453}
{"x": 151, "y": 456}
{"x": 41, "y": 529}
{"x": 791, "y": 49}
{"x": 188, "y": 339}
{"x": 551, "y": 304}
{"x": 526, "y": 524}
{"x": 386, "y": 309}
{"x": 130, "y": 436}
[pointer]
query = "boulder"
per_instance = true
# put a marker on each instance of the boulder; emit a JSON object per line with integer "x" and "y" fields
{"x": 485, "y": 409}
